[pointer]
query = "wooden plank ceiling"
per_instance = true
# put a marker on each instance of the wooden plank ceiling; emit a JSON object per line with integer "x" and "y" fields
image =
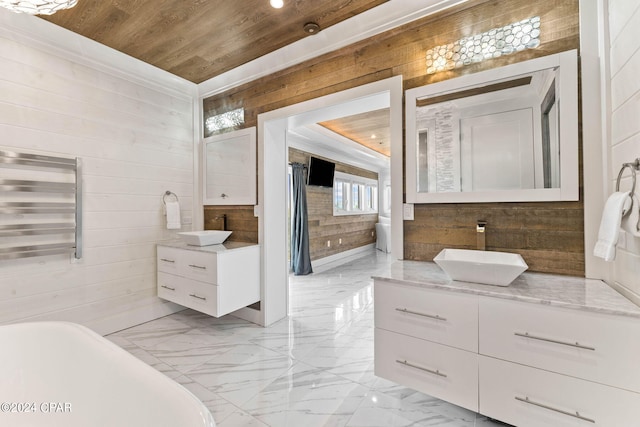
{"x": 370, "y": 129}
{"x": 200, "y": 39}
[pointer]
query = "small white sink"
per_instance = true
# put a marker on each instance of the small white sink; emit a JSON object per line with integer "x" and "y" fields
{"x": 487, "y": 267}
{"x": 204, "y": 238}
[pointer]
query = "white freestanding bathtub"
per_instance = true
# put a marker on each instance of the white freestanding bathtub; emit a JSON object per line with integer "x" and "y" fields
{"x": 64, "y": 374}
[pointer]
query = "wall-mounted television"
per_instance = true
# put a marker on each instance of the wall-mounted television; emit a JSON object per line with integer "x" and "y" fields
{"x": 321, "y": 172}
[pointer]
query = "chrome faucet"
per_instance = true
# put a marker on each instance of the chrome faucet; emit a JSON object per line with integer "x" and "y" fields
{"x": 480, "y": 232}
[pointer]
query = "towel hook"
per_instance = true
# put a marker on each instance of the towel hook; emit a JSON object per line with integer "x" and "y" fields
{"x": 634, "y": 166}
{"x": 166, "y": 194}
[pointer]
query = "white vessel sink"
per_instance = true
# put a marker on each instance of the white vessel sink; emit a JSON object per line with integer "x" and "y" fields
{"x": 487, "y": 267}
{"x": 204, "y": 238}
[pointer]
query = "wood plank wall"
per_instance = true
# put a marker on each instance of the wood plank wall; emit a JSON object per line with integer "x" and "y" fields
{"x": 542, "y": 227}
{"x": 135, "y": 140}
{"x": 354, "y": 230}
{"x": 240, "y": 220}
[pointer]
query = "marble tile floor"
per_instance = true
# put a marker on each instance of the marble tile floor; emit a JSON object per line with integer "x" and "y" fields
{"x": 314, "y": 368}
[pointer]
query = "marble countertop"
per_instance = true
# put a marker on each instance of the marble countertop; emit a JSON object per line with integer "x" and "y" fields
{"x": 227, "y": 246}
{"x": 539, "y": 288}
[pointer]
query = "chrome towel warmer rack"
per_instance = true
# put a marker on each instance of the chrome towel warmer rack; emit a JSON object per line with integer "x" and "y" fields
{"x": 634, "y": 166}
{"x": 31, "y": 203}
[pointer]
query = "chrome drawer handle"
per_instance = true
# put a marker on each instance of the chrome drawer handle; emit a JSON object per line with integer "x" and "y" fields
{"x": 198, "y": 296}
{"x": 571, "y": 414}
{"x": 167, "y": 260}
{"x": 431, "y": 371}
{"x": 430, "y": 316}
{"x": 197, "y": 266}
{"x": 167, "y": 287}
{"x": 570, "y": 344}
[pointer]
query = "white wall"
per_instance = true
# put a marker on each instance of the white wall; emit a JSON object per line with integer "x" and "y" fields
{"x": 624, "y": 117}
{"x": 133, "y": 127}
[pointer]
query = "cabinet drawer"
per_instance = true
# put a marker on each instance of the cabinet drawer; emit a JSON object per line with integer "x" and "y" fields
{"x": 191, "y": 264}
{"x": 443, "y": 317}
{"x": 201, "y": 297}
{"x": 438, "y": 370}
{"x": 167, "y": 259}
{"x": 170, "y": 288}
{"x": 529, "y": 397}
{"x": 592, "y": 346}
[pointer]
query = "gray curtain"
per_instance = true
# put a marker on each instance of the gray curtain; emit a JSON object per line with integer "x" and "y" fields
{"x": 300, "y": 257}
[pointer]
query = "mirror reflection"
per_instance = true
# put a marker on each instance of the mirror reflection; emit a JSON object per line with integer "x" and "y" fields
{"x": 507, "y": 134}
{"x": 499, "y": 136}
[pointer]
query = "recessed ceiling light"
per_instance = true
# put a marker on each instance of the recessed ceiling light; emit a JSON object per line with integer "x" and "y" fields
{"x": 373, "y": 136}
{"x": 276, "y": 3}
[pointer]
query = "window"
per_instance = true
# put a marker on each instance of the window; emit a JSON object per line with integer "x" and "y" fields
{"x": 354, "y": 195}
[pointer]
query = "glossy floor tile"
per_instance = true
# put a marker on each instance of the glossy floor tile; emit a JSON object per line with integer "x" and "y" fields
{"x": 312, "y": 369}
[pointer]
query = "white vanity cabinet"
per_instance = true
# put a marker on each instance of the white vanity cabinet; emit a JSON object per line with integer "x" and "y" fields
{"x": 215, "y": 280}
{"x": 530, "y": 362}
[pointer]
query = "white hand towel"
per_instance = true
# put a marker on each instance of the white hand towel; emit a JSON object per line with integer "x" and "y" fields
{"x": 616, "y": 204}
{"x": 173, "y": 215}
{"x": 631, "y": 221}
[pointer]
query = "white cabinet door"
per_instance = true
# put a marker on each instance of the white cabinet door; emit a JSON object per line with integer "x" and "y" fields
{"x": 229, "y": 168}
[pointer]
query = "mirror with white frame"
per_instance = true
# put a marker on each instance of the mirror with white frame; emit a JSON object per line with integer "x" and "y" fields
{"x": 509, "y": 134}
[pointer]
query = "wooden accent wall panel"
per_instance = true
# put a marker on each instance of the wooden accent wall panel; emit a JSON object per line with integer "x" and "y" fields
{"x": 354, "y": 230}
{"x": 240, "y": 220}
{"x": 401, "y": 51}
{"x": 550, "y": 238}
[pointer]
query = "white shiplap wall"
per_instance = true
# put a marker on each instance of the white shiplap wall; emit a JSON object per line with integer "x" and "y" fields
{"x": 624, "y": 89}
{"x": 133, "y": 127}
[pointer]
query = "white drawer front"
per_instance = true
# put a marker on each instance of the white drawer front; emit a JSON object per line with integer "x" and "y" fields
{"x": 592, "y": 346}
{"x": 529, "y": 397}
{"x": 191, "y": 264}
{"x": 168, "y": 259}
{"x": 190, "y": 293}
{"x": 444, "y": 317}
{"x": 170, "y": 288}
{"x": 202, "y": 297}
{"x": 441, "y": 371}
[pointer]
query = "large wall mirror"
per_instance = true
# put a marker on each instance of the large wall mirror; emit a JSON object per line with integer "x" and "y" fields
{"x": 509, "y": 134}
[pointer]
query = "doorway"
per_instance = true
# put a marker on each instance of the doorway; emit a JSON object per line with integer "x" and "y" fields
{"x": 273, "y": 176}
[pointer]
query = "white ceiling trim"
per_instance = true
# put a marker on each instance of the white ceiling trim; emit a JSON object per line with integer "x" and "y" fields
{"x": 389, "y": 15}
{"x": 349, "y": 108}
{"x": 320, "y": 141}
